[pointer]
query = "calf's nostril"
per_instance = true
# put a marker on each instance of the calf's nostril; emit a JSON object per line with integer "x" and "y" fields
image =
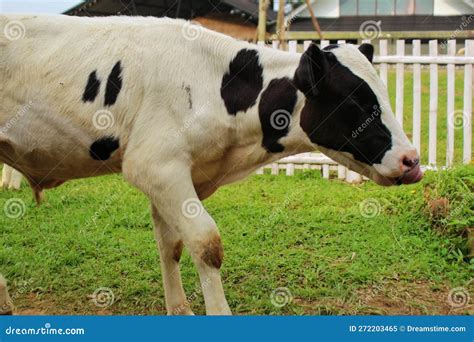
{"x": 410, "y": 162}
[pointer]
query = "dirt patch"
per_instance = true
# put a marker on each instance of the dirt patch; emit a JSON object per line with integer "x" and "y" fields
{"x": 392, "y": 298}
{"x": 35, "y": 305}
{"x": 389, "y": 298}
{"x": 418, "y": 298}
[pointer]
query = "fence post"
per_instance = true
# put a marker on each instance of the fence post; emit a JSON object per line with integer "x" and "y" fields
{"x": 324, "y": 43}
{"x": 467, "y": 111}
{"x": 275, "y": 169}
{"x": 292, "y": 46}
{"x": 383, "y": 47}
{"x": 341, "y": 172}
{"x": 290, "y": 169}
{"x": 417, "y": 97}
{"x": 433, "y": 47}
{"x": 325, "y": 171}
{"x": 400, "y": 83}
{"x": 450, "y": 105}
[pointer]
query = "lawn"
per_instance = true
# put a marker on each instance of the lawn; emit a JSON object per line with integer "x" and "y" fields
{"x": 334, "y": 248}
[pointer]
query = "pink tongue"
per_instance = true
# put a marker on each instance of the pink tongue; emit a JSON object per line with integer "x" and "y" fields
{"x": 412, "y": 176}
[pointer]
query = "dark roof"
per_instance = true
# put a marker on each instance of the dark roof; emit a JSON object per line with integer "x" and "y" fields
{"x": 189, "y": 9}
{"x": 182, "y": 9}
{"x": 186, "y": 9}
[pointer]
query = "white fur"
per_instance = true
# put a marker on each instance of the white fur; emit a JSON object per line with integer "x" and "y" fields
{"x": 173, "y": 153}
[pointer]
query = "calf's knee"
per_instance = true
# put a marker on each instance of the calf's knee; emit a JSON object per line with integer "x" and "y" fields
{"x": 212, "y": 252}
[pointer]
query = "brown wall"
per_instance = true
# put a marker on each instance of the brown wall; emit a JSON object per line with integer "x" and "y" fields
{"x": 233, "y": 26}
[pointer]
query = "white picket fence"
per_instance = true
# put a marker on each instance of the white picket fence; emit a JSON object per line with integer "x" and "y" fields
{"x": 318, "y": 161}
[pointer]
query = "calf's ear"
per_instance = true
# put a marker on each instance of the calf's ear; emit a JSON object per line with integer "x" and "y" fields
{"x": 311, "y": 72}
{"x": 368, "y": 51}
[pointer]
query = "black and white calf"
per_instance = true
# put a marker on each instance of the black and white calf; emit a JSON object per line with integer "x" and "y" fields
{"x": 179, "y": 117}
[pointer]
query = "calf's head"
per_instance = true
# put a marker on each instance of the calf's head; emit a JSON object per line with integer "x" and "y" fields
{"x": 347, "y": 114}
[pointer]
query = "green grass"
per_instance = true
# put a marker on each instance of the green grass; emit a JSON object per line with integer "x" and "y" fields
{"x": 442, "y": 112}
{"x": 303, "y": 233}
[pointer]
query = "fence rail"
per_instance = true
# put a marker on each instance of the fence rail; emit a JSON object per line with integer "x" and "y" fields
{"x": 401, "y": 61}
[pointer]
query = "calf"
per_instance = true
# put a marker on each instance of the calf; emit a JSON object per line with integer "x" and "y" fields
{"x": 180, "y": 115}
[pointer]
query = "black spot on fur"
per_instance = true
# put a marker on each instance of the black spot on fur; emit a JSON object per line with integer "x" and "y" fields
{"x": 102, "y": 149}
{"x": 114, "y": 84}
{"x": 243, "y": 82}
{"x": 275, "y": 109}
{"x": 344, "y": 115}
{"x": 92, "y": 87}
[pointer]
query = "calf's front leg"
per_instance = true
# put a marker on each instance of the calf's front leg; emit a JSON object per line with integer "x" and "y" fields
{"x": 170, "y": 188}
{"x": 170, "y": 246}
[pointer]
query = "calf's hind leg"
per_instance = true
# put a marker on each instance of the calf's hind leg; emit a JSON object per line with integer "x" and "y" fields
{"x": 5, "y": 302}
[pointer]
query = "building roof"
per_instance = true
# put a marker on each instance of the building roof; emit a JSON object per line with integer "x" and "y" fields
{"x": 236, "y": 17}
{"x": 186, "y": 9}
